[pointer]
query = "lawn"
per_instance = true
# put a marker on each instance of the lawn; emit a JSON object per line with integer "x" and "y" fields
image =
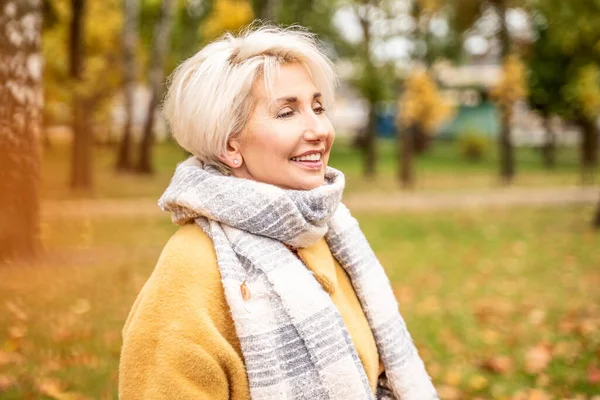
{"x": 499, "y": 303}
{"x": 441, "y": 169}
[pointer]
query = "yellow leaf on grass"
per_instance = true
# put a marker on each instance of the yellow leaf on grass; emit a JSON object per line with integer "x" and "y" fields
{"x": 81, "y": 306}
{"x": 478, "y": 382}
{"x": 490, "y": 336}
{"x": 453, "y": 378}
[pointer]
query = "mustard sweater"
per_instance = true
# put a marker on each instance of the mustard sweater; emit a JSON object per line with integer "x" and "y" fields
{"x": 179, "y": 341}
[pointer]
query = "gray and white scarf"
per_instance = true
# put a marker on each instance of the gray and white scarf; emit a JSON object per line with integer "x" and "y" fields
{"x": 293, "y": 339}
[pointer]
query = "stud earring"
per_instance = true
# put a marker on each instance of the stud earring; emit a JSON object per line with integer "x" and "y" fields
{"x": 236, "y": 162}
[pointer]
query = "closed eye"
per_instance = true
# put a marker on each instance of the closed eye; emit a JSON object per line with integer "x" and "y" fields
{"x": 286, "y": 114}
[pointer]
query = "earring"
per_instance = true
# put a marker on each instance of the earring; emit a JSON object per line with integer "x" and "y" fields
{"x": 236, "y": 162}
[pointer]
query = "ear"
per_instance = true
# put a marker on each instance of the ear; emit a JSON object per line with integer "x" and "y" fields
{"x": 233, "y": 155}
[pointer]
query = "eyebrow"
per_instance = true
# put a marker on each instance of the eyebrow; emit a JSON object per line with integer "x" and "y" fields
{"x": 294, "y": 99}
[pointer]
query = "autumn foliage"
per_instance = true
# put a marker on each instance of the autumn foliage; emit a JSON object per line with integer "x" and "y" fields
{"x": 422, "y": 104}
{"x": 512, "y": 86}
{"x": 227, "y": 15}
{"x": 101, "y": 76}
{"x": 584, "y": 90}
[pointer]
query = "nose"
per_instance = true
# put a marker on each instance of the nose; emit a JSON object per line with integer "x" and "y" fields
{"x": 315, "y": 129}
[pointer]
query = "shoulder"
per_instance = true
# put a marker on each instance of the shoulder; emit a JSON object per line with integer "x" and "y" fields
{"x": 186, "y": 244}
{"x": 179, "y": 327}
{"x": 186, "y": 280}
{"x": 188, "y": 263}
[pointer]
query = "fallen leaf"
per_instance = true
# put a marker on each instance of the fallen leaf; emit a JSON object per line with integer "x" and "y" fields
{"x": 8, "y": 358}
{"x": 448, "y": 392}
{"x": 82, "y": 359}
{"x": 81, "y": 306}
{"x": 593, "y": 375}
{"x": 493, "y": 311}
{"x": 404, "y": 294}
{"x": 51, "y": 387}
{"x": 498, "y": 364}
{"x": 534, "y": 394}
{"x": 537, "y": 316}
{"x": 490, "y": 337}
{"x": 16, "y": 332}
{"x": 434, "y": 369}
{"x": 52, "y": 365}
{"x": 6, "y": 382}
{"x": 538, "y": 394}
{"x": 478, "y": 382}
{"x": 567, "y": 326}
{"x": 453, "y": 378}
{"x": 537, "y": 358}
{"x": 587, "y": 327}
{"x": 16, "y": 311}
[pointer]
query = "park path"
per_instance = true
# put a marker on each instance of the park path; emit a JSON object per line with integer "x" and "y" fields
{"x": 394, "y": 202}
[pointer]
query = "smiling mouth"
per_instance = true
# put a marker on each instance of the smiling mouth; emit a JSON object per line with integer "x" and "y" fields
{"x": 310, "y": 157}
{"x": 309, "y": 161}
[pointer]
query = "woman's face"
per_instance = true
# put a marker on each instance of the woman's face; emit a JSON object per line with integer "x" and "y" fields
{"x": 288, "y": 138}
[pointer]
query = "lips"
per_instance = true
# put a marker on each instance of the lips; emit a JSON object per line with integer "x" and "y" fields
{"x": 310, "y": 160}
{"x": 308, "y": 157}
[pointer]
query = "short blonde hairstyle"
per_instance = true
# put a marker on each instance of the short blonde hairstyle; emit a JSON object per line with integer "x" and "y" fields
{"x": 209, "y": 99}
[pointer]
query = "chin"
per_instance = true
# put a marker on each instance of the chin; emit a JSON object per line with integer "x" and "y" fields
{"x": 309, "y": 184}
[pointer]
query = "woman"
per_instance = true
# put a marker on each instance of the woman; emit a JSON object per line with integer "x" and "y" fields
{"x": 269, "y": 290}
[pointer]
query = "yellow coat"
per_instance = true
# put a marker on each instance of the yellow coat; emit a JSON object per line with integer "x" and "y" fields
{"x": 179, "y": 341}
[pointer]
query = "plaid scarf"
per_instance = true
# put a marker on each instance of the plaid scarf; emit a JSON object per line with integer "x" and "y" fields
{"x": 293, "y": 339}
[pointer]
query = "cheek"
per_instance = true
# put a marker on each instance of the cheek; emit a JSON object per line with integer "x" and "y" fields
{"x": 270, "y": 147}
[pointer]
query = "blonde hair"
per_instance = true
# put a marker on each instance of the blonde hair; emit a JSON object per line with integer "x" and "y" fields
{"x": 209, "y": 99}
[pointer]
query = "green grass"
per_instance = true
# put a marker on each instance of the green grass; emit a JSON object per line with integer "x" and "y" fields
{"x": 441, "y": 169}
{"x": 472, "y": 286}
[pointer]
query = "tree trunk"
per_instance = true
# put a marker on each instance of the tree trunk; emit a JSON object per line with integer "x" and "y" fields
{"x": 505, "y": 43}
{"x": 130, "y": 41}
{"x": 370, "y": 144}
{"x": 145, "y": 161}
{"x": 370, "y": 137}
{"x": 162, "y": 34}
{"x": 589, "y": 149}
{"x": 269, "y": 10}
{"x": 406, "y": 150}
{"x": 81, "y": 165}
{"x": 507, "y": 162}
{"x": 21, "y": 101}
{"x": 422, "y": 142}
{"x": 596, "y": 222}
{"x": 549, "y": 149}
